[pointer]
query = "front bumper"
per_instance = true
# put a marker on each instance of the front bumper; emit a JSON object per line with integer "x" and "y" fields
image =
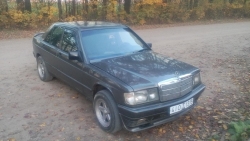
{"x": 141, "y": 118}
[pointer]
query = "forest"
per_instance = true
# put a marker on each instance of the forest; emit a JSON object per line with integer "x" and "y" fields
{"x": 37, "y": 13}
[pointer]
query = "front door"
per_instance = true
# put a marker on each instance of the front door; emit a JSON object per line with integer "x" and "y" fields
{"x": 73, "y": 70}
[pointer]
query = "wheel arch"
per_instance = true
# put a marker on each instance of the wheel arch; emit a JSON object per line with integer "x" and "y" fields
{"x": 115, "y": 123}
{"x": 37, "y": 55}
{"x": 98, "y": 87}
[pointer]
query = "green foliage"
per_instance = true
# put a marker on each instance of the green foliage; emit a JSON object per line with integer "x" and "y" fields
{"x": 141, "y": 12}
{"x": 239, "y": 131}
{"x": 47, "y": 14}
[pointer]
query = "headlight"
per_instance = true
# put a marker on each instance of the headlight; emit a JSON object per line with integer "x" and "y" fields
{"x": 196, "y": 79}
{"x": 143, "y": 96}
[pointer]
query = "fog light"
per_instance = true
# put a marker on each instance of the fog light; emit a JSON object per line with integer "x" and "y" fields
{"x": 141, "y": 121}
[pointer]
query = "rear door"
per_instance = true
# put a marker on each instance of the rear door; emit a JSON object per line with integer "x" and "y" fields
{"x": 50, "y": 47}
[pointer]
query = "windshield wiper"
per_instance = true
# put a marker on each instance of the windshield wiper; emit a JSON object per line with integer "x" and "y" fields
{"x": 144, "y": 49}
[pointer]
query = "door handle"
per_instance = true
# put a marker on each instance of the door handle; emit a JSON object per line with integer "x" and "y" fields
{"x": 59, "y": 53}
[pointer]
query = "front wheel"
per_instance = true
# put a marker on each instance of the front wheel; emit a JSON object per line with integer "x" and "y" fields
{"x": 43, "y": 73}
{"x": 106, "y": 112}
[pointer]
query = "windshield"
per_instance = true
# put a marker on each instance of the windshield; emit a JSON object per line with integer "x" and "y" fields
{"x": 105, "y": 43}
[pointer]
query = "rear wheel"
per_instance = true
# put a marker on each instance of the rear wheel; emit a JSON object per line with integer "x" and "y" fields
{"x": 43, "y": 73}
{"x": 106, "y": 112}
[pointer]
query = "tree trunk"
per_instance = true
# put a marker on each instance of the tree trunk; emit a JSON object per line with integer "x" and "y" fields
{"x": 127, "y": 6}
{"x": 225, "y": 2}
{"x": 48, "y": 10}
{"x": 87, "y": 5}
{"x": 77, "y": 9}
{"x": 119, "y": 9}
{"x": 104, "y": 9}
{"x": 191, "y": 4}
{"x": 69, "y": 9}
{"x": 20, "y": 5}
{"x": 187, "y": 4}
{"x": 59, "y": 4}
{"x": 196, "y": 3}
{"x": 66, "y": 9}
{"x": 3, "y": 6}
{"x": 73, "y": 7}
{"x": 6, "y": 6}
{"x": 94, "y": 6}
{"x": 27, "y": 5}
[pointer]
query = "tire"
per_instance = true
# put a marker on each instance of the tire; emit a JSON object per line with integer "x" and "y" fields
{"x": 43, "y": 73}
{"x": 106, "y": 112}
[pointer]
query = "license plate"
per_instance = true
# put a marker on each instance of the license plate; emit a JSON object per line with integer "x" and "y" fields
{"x": 182, "y": 106}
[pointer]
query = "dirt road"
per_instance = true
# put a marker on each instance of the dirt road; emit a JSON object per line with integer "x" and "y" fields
{"x": 33, "y": 110}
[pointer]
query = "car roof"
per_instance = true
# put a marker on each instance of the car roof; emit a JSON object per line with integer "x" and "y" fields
{"x": 90, "y": 24}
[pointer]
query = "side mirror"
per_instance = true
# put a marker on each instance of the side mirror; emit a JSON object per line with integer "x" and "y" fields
{"x": 74, "y": 55}
{"x": 149, "y": 45}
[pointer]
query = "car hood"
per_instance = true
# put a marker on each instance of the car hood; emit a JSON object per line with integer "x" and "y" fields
{"x": 144, "y": 69}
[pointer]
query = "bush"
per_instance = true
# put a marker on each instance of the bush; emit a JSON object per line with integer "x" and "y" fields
{"x": 47, "y": 15}
{"x": 141, "y": 12}
{"x": 239, "y": 131}
{"x": 4, "y": 22}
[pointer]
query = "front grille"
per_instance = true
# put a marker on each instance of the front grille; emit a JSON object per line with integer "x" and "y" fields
{"x": 175, "y": 88}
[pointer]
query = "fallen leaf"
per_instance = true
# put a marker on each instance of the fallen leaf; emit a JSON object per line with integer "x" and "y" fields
{"x": 220, "y": 121}
{"x": 208, "y": 108}
{"x": 225, "y": 126}
{"x": 160, "y": 130}
{"x": 197, "y": 136}
{"x": 78, "y": 138}
{"x": 215, "y": 117}
{"x": 42, "y": 125}
{"x": 61, "y": 129}
{"x": 181, "y": 129}
{"x": 81, "y": 119}
{"x": 235, "y": 110}
{"x": 11, "y": 139}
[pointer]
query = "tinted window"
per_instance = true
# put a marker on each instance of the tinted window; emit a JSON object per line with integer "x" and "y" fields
{"x": 68, "y": 41}
{"x": 47, "y": 31}
{"x": 54, "y": 36}
{"x": 102, "y": 43}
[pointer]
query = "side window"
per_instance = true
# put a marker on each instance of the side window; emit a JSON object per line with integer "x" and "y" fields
{"x": 68, "y": 41}
{"x": 47, "y": 31}
{"x": 54, "y": 36}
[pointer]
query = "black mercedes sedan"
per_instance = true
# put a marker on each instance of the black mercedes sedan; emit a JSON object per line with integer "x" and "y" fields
{"x": 130, "y": 85}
